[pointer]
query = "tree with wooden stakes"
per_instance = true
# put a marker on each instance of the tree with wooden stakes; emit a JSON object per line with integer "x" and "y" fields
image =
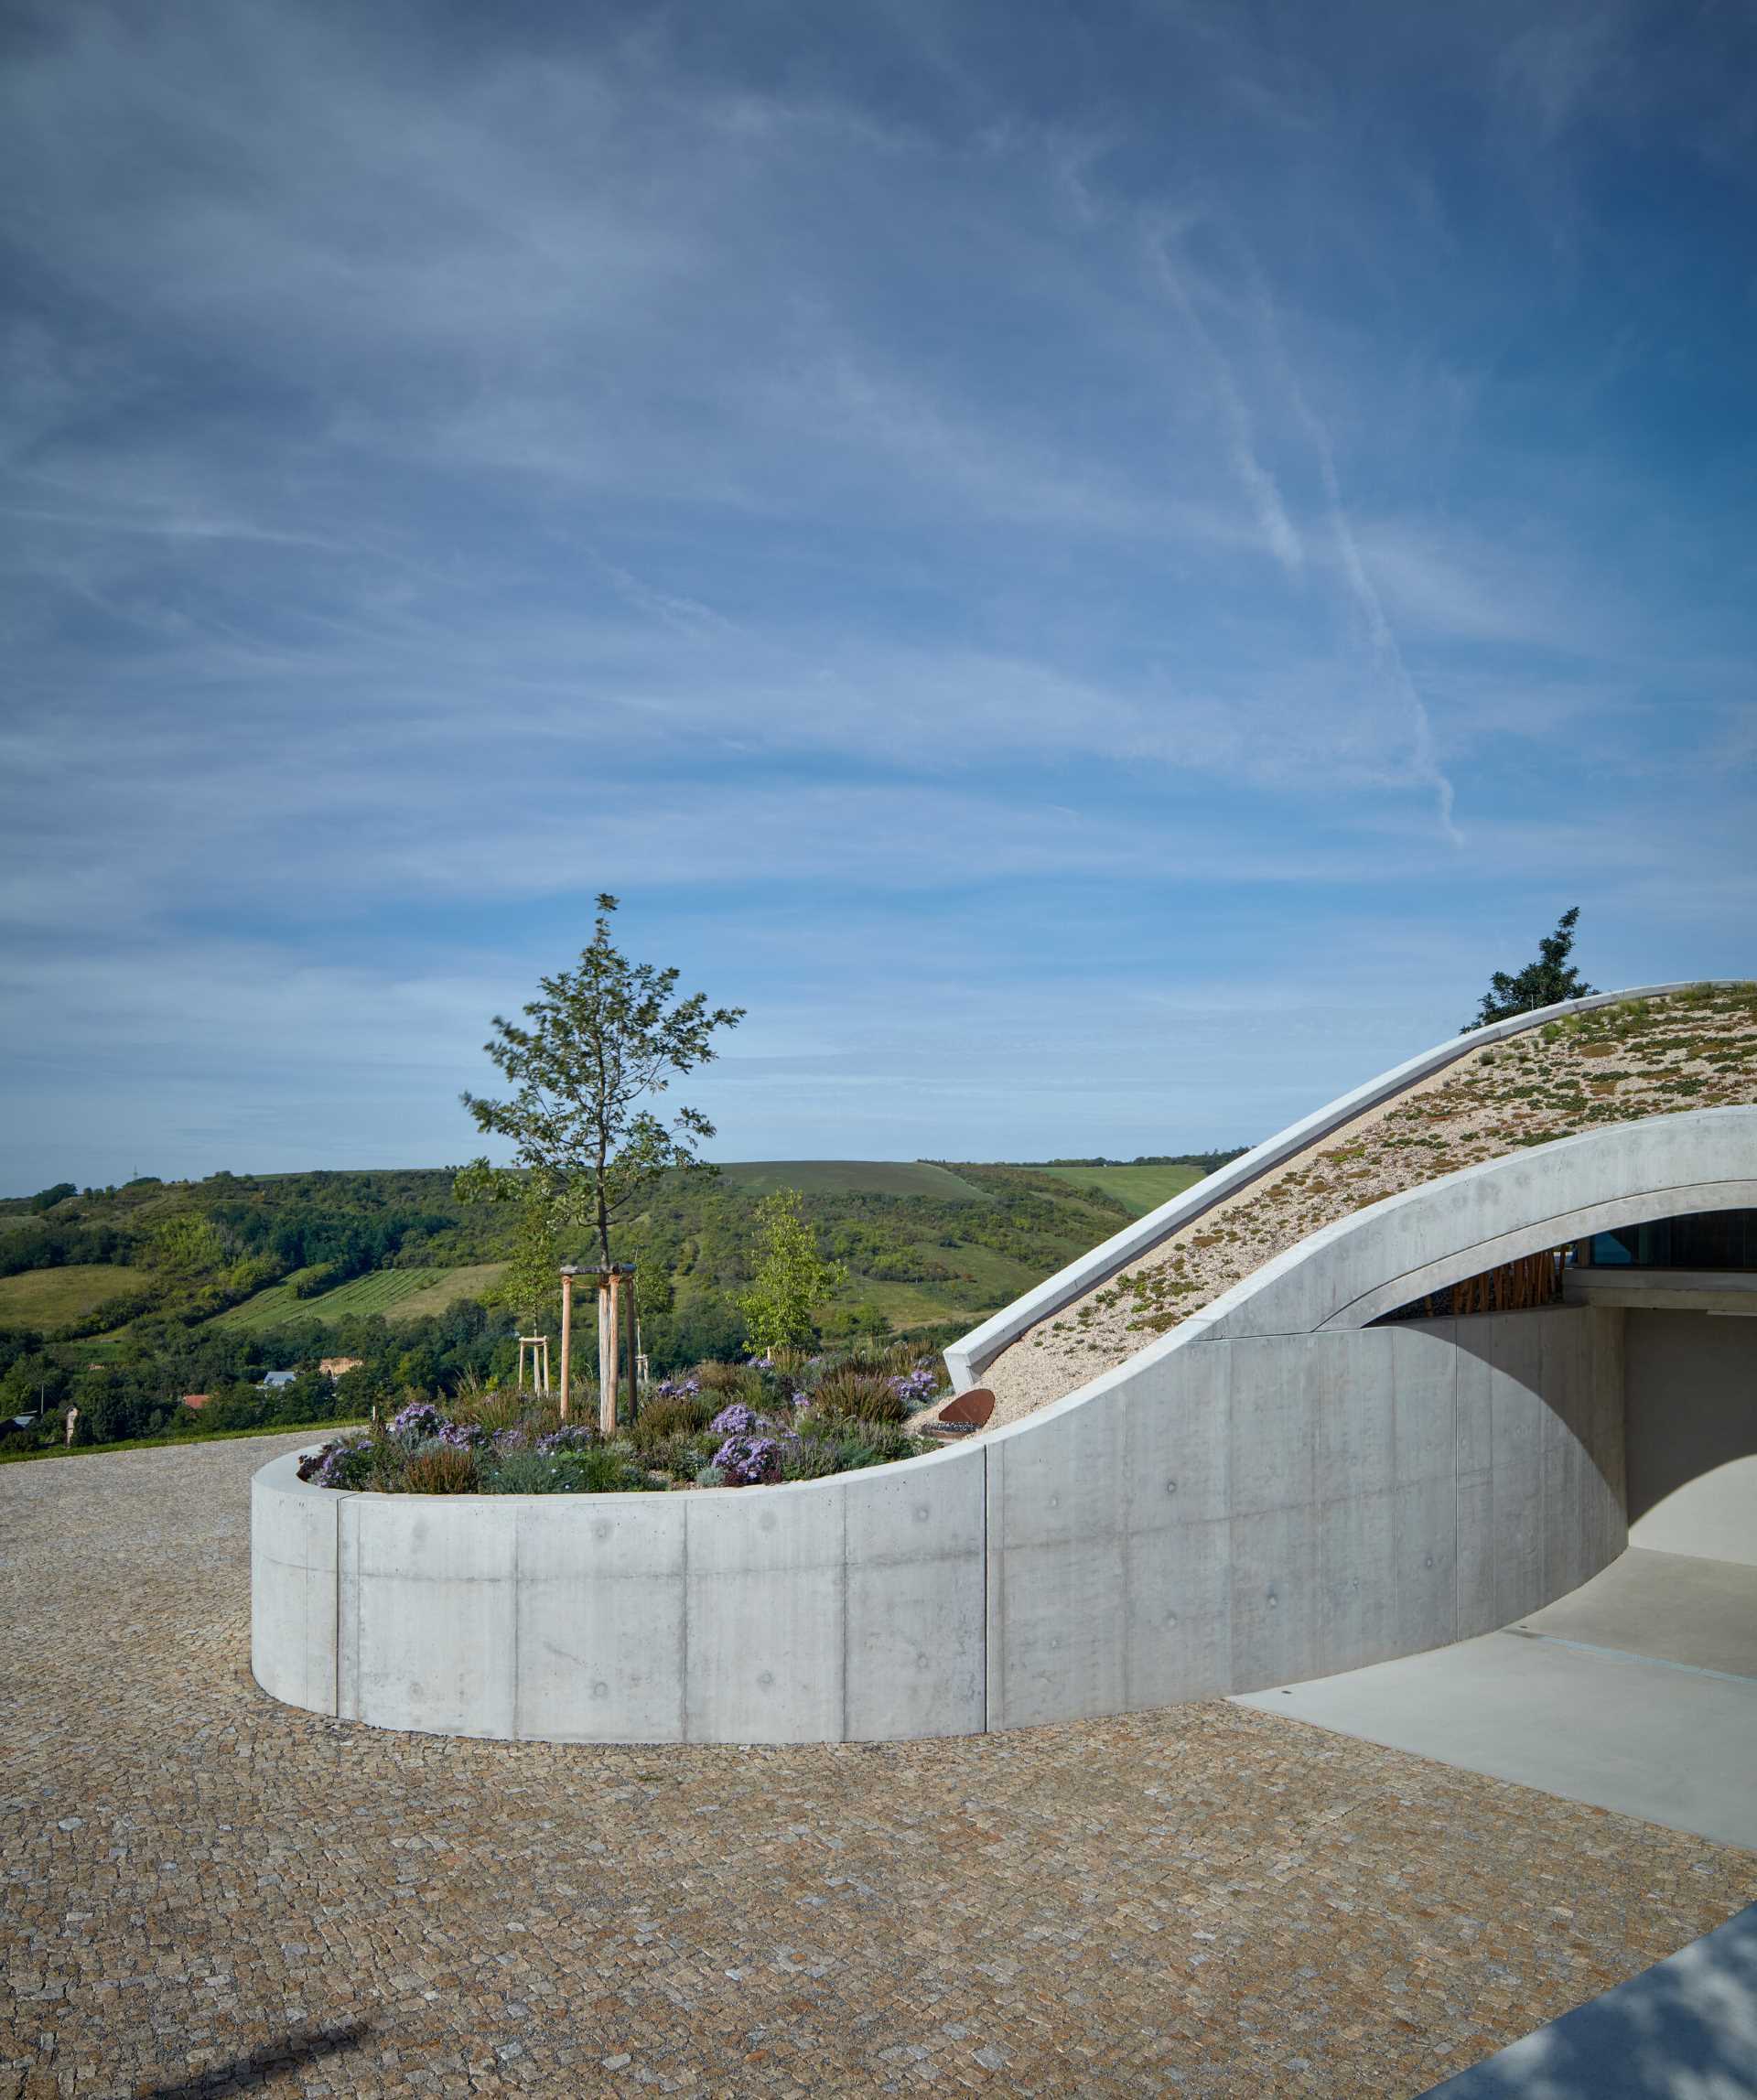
{"x": 595, "y": 1047}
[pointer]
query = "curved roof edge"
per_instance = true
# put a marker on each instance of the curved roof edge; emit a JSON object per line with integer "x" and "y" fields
{"x": 1350, "y": 1272}
{"x": 966, "y": 1357}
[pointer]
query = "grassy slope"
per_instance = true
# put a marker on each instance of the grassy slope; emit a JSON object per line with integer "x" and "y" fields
{"x": 851, "y": 1177}
{"x": 975, "y": 1235}
{"x": 49, "y": 1297}
{"x": 1143, "y": 1189}
{"x": 397, "y": 1294}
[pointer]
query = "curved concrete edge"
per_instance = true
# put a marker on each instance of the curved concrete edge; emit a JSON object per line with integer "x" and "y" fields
{"x": 848, "y": 1608}
{"x": 966, "y": 1358}
{"x": 1424, "y": 1239}
{"x": 1238, "y": 1513}
{"x": 1403, "y": 1247}
{"x": 1273, "y": 1491}
{"x": 1686, "y": 2027}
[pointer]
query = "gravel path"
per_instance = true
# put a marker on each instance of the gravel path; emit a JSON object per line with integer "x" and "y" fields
{"x": 205, "y": 1892}
{"x": 1616, "y": 1064}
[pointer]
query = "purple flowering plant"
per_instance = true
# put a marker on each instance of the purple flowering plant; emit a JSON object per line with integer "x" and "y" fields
{"x": 570, "y": 1437}
{"x": 749, "y": 1462}
{"x": 917, "y": 1387}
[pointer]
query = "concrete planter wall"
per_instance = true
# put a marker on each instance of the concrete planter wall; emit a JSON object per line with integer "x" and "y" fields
{"x": 1273, "y": 1491}
{"x": 845, "y": 1609}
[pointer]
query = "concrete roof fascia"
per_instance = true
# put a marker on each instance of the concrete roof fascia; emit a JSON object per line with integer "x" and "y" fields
{"x": 966, "y": 1357}
{"x": 1235, "y": 1316}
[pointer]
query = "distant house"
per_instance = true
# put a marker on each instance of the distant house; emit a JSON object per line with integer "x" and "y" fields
{"x": 197, "y": 1400}
{"x": 275, "y": 1380}
{"x": 333, "y": 1366}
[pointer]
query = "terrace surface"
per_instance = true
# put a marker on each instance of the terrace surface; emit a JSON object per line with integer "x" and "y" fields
{"x": 1613, "y": 1065}
{"x": 208, "y": 1892}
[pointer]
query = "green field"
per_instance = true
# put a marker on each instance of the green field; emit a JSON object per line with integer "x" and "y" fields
{"x": 396, "y": 1294}
{"x": 50, "y": 1297}
{"x": 852, "y": 1177}
{"x": 1143, "y": 1189}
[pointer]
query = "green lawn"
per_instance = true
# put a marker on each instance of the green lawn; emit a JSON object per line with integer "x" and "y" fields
{"x": 1143, "y": 1189}
{"x": 852, "y": 1177}
{"x": 50, "y": 1297}
{"x": 396, "y": 1294}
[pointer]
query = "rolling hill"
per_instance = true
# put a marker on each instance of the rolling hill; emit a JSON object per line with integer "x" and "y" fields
{"x": 52, "y": 1297}
{"x": 924, "y": 1245}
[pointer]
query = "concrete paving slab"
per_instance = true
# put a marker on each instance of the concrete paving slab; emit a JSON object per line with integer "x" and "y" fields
{"x": 1671, "y": 1607}
{"x": 1566, "y": 1702}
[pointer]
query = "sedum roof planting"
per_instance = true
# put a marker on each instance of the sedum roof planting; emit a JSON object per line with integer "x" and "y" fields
{"x": 1620, "y": 1063}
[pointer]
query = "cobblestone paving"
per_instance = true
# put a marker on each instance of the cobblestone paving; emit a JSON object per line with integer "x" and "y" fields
{"x": 205, "y": 1892}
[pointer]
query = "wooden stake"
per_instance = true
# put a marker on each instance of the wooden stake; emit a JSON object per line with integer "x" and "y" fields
{"x": 634, "y": 1353}
{"x": 567, "y": 1333}
{"x": 606, "y": 1370}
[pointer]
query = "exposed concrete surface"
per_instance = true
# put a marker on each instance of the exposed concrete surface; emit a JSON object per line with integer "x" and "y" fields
{"x": 837, "y": 1610}
{"x": 1273, "y": 1490}
{"x": 1569, "y": 1701}
{"x": 1691, "y": 1386}
{"x": 1684, "y": 2030}
{"x": 1222, "y": 1515}
{"x": 1672, "y": 1607}
{"x": 1238, "y": 1513}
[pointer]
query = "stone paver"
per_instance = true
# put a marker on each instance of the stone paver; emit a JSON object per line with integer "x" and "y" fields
{"x": 205, "y": 1892}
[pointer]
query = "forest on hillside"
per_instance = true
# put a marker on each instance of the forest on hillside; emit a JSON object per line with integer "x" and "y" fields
{"x": 122, "y": 1300}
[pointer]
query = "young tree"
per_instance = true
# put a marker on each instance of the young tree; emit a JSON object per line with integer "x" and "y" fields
{"x": 1540, "y": 984}
{"x": 531, "y": 1286}
{"x": 792, "y": 1279}
{"x": 603, "y": 1039}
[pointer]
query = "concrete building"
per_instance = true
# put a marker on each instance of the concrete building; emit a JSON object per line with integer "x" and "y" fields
{"x": 1441, "y": 1410}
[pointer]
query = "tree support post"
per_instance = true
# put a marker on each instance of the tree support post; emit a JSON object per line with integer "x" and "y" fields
{"x": 634, "y": 1349}
{"x": 568, "y": 1275}
{"x": 606, "y": 1380}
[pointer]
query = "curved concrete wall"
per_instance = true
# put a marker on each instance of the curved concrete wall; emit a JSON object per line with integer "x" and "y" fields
{"x": 1272, "y": 1490}
{"x": 846, "y": 1609}
{"x": 966, "y": 1357}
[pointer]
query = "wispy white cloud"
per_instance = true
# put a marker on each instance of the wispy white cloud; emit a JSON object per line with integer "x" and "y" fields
{"x": 1035, "y": 492}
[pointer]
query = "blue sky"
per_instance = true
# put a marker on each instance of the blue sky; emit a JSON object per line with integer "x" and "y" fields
{"x": 1095, "y": 568}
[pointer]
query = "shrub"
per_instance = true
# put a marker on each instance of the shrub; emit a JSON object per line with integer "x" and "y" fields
{"x": 416, "y": 1422}
{"x": 600, "y": 1469}
{"x": 809, "y": 1458}
{"x": 917, "y": 1386}
{"x": 441, "y": 1469}
{"x": 746, "y": 1461}
{"x": 512, "y": 1409}
{"x": 731, "y": 1380}
{"x": 678, "y": 1457}
{"x": 521, "y": 1473}
{"x": 566, "y": 1436}
{"x": 859, "y": 1395}
{"x": 677, "y": 1415}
